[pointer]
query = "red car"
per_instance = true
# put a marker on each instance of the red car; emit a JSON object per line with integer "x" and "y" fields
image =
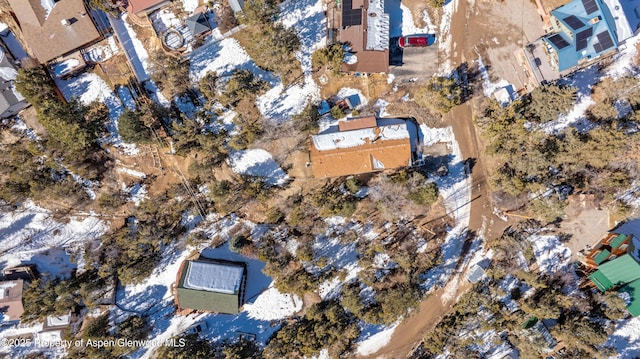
{"x": 415, "y": 41}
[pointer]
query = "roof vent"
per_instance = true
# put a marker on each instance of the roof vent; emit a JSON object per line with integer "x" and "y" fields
{"x": 595, "y": 20}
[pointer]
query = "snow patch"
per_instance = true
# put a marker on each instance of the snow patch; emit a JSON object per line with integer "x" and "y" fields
{"x": 273, "y": 305}
{"x": 258, "y": 163}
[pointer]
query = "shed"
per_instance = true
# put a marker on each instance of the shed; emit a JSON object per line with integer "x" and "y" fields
{"x": 211, "y": 285}
{"x": 198, "y": 24}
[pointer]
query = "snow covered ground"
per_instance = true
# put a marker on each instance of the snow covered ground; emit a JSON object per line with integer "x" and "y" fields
{"x": 31, "y": 235}
{"x": 455, "y": 188}
{"x": 258, "y": 163}
{"x": 263, "y": 303}
{"x": 308, "y": 19}
{"x": 89, "y": 87}
{"x": 551, "y": 255}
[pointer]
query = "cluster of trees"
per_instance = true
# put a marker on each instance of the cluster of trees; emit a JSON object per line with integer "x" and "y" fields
{"x": 582, "y": 336}
{"x": 27, "y": 172}
{"x": 170, "y": 73}
{"x": 134, "y": 327}
{"x": 381, "y": 295}
{"x": 401, "y": 195}
{"x": 57, "y": 296}
{"x": 530, "y": 159}
{"x": 270, "y": 44}
{"x": 325, "y": 325}
{"x": 331, "y": 56}
{"x": 441, "y": 94}
{"x": 132, "y": 251}
{"x": 73, "y": 129}
{"x": 191, "y": 346}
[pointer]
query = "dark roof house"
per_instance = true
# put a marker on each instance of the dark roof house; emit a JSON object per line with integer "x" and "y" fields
{"x": 11, "y": 299}
{"x": 211, "y": 285}
{"x": 198, "y": 24}
{"x": 63, "y": 29}
{"x": 365, "y": 30}
{"x": 11, "y": 102}
{"x": 362, "y": 145}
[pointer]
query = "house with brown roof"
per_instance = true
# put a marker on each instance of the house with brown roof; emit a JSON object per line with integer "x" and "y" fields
{"x": 55, "y": 31}
{"x": 145, "y": 7}
{"x": 365, "y": 30}
{"x": 11, "y": 299}
{"x": 362, "y": 145}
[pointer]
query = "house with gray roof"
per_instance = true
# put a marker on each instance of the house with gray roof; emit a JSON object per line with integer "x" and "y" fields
{"x": 11, "y": 102}
{"x": 211, "y": 285}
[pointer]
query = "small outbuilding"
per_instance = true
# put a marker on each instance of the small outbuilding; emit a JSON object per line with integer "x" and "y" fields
{"x": 198, "y": 24}
{"x": 211, "y": 285}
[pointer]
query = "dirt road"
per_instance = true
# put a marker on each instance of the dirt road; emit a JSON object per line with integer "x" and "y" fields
{"x": 483, "y": 222}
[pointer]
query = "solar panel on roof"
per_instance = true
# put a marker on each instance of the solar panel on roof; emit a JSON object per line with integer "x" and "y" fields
{"x": 350, "y": 16}
{"x": 558, "y": 41}
{"x": 604, "y": 38}
{"x": 590, "y": 6}
{"x": 573, "y": 22}
{"x": 597, "y": 47}
{"x": 582, "y": 37}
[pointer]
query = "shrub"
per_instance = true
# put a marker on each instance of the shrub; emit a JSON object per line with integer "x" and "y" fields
{"x": 425, "y": 195}
{"x": 550, "y": 101}
{"x": 237, "y": 243}
{"x": 352, "y": 185}
{"x": 132, "y": 129}
{"x": 337, "y": 112}
{"x": 331, "y": 56}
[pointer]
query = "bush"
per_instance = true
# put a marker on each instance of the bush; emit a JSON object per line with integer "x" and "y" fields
{"x": 325, "y": 325}
{"x": 442, "y": 94}
{"x": 132, "y": 129}
{"x": 352, "y": 185}
{"x": 425, "y": 195}
{"x": 237, "y": 243}
{"x": 331, "y": 56}
{"x": 337, "y": 112}
{"x": 550, "y": 101}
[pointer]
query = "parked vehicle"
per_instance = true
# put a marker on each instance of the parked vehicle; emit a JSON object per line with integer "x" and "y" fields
{"x": 419, "y": 40}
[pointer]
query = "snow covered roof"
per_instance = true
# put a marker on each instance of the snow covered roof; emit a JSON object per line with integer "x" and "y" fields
{"x": 377, "y": 26}
{"x": 626, "y": 14}
{"x": 211, "y": 285}
{"x": 355, "y": 138}
{"x": 213, "y": 277}
{"x": 361, "y": 150}
{"x": 58, "y": 321}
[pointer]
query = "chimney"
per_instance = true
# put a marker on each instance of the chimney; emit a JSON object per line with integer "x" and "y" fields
{"x": 65, "y": 22}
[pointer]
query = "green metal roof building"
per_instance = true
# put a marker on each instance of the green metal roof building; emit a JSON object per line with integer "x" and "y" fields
{"x": 622, "y": 273}
{"x": 211, "y": 285}
{"x": 616, "y": 272}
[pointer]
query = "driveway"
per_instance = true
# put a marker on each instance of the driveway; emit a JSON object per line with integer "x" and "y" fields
{"x": 412, "y": 63}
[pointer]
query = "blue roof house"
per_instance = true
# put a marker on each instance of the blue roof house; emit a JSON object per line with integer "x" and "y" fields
{"x": 584, "y": 31}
